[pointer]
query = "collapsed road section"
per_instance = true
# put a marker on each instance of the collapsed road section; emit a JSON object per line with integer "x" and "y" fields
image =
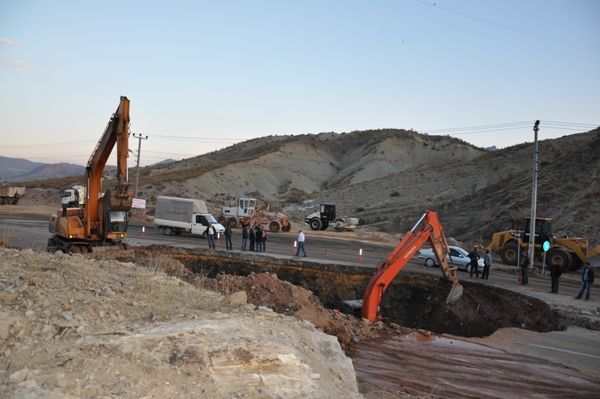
{"x": 413, "y": 300}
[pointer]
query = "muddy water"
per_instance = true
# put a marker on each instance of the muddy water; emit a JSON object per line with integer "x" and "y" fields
{"x": 436, "y": 366}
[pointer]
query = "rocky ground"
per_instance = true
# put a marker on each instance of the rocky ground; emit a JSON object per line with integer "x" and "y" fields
{"x": 101, "y": 328}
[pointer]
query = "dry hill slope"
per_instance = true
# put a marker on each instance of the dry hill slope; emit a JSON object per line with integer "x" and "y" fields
{"x": 286, "y": 167}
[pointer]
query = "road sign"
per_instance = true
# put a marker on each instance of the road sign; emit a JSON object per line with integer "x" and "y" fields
{"x": 546, "y": 246}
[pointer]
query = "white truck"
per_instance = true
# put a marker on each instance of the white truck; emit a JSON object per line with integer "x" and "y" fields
{"x": 175, "y": 215}
{"x": 73, "y": 197}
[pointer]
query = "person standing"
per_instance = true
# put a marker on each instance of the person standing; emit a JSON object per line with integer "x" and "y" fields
{"x": 244, "y": 238}
{"x": 301, "y": 240}
{"x": 487, "y": 263}
{"x": 555, "y": 273}
{"x": 259, "y": 234}
{"x": 587, "y": 278}
{"x": 210, "y": 234}
{"x": 252, "y": 238}
{"x": 264, "y": 240}
{"x": 524, "y": 267}
{"x": 228, "y": 234}
{"x": 474, "y": 256}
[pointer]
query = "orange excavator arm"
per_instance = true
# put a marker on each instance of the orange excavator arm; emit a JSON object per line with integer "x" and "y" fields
{"x": 116, "y": 132}
{"x": 428, "y": 228}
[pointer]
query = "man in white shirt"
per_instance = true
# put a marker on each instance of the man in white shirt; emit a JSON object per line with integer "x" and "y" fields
{"x": 301, "y": 239}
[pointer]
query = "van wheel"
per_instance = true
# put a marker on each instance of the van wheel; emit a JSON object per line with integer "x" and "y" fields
{"x": 429, "y": 262}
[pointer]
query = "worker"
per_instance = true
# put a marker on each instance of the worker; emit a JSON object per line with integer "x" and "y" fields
{"x": 524, "y": 265}
{"x": 251, "y": 237}
{"x": 487, "y": 263}
{"x": 211, "y": 236}
{"x": 474, "y": 256}
{"x": 258, "y": 235}
{"x": 244, "y": 238}
{"x": 301, "y": 240}
{"x": 555, "y": 273}
{"x": 228, "y": 234}
{"x": 587, "y": 278}
{"x": 264, "y": 240}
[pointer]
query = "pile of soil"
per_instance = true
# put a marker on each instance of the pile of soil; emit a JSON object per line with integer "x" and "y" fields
{"x": 76, "y": 327}
{"x": 265, "y": 289}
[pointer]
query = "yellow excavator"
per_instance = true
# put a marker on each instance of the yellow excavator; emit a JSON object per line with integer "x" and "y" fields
{"x": 102, "y": 219}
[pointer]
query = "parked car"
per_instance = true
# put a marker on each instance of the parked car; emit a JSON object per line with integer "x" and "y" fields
{"x": 456, "y": 257}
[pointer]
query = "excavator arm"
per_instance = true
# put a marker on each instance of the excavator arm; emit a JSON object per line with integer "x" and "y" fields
{"x": 427, "y": 229}
{"x": 96, "y": 211}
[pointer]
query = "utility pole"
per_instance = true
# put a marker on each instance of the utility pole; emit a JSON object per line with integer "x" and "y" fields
{"x": 137, "y": 167}
{"x": 536, "y": 154}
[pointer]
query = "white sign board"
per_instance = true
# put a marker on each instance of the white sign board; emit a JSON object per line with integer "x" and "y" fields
{"x": 139, "y": 203}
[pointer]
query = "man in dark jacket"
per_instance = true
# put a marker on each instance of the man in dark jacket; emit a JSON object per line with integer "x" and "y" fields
{"x": 258, "y": 235}
{"x": 228, "y": 234}
{"x": 244, "y": 238}
{"x": 587, "y": 278}
{"x": 474, "y": 256}
{"x": 524, "y": 268}
{"x": 555, "y": 273}
{"x": 251, "y": 237}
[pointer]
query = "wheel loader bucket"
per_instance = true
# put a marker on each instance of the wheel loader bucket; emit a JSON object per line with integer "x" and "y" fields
{"x": 455, "y": 292}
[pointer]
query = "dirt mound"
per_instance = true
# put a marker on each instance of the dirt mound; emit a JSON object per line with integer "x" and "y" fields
{"x": 266, "y": 289}
{"x": 77, "y": 327}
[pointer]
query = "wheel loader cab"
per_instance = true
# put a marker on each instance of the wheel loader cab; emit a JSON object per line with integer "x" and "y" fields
{"x": 327, "y": 212}
{"x": 543, "y": 230}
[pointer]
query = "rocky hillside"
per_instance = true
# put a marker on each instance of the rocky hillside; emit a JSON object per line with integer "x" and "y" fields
{"x": 291, "y": 168}
{"x": 388, "y": 177}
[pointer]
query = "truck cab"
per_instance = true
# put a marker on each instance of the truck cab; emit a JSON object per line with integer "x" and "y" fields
{"x": 73, "y": 197}
{"x": 202, "y": 221}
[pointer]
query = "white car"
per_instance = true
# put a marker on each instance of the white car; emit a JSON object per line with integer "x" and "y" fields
{"x": 456, "y": 257}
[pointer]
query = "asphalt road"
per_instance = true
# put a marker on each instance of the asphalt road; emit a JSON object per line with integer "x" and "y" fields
{"x": 571, "y": 347}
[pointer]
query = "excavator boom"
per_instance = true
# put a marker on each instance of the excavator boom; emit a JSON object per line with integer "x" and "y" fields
{"x": 103, "y": 217}
{"x": 427, "y": 229}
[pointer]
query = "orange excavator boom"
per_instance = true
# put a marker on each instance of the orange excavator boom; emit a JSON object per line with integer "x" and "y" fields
{"x": 427, "y": 229}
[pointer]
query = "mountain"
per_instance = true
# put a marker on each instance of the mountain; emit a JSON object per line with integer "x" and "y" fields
{"x": 11, "y": 167}
{"x": 50, "y": 171}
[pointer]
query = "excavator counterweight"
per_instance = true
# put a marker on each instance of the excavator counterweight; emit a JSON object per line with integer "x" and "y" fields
{"x": 427, "y": 229}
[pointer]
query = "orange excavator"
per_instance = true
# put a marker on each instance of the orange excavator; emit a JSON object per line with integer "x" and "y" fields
{"x": 428, "y": 228}
{"x": 102, "y": 220}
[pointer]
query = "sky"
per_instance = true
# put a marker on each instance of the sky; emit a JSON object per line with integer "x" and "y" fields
{"x": 203, "y": 75}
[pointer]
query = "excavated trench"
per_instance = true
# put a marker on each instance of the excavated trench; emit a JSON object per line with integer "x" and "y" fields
{"x": 412, "y": 300}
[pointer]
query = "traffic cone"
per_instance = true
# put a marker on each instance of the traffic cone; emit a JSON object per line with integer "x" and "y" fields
{"x": 143, "y": 230}
{"x": 294, "y": 247}
{"x": 360, "y": 255}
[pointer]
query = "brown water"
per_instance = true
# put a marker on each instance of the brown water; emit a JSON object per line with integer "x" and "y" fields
{"x": 436, "y": 366}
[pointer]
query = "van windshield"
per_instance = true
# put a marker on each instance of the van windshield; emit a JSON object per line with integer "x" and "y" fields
{"x": 211, "y": 219}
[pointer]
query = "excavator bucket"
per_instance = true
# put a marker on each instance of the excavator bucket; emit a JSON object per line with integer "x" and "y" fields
{"x": 455, "y": 292}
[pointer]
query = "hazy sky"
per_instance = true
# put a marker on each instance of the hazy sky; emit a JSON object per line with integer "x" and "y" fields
{"x": 202, "y": 75}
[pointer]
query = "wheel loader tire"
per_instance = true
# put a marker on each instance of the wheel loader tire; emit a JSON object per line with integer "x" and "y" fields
{"x": 287, "y": 227}
{"x": 274, "y": 226}
{"x": 509, "y": 253}
{"x": 315, "y": 224}
{"x": 233, "y": 222}
{"x": 560, "y": 256}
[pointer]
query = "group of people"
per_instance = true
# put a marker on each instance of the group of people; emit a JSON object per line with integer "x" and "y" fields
{"x": 474, "y": 264}
{"x": 587, "y": 277}
{"x": 256, "y": 237}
